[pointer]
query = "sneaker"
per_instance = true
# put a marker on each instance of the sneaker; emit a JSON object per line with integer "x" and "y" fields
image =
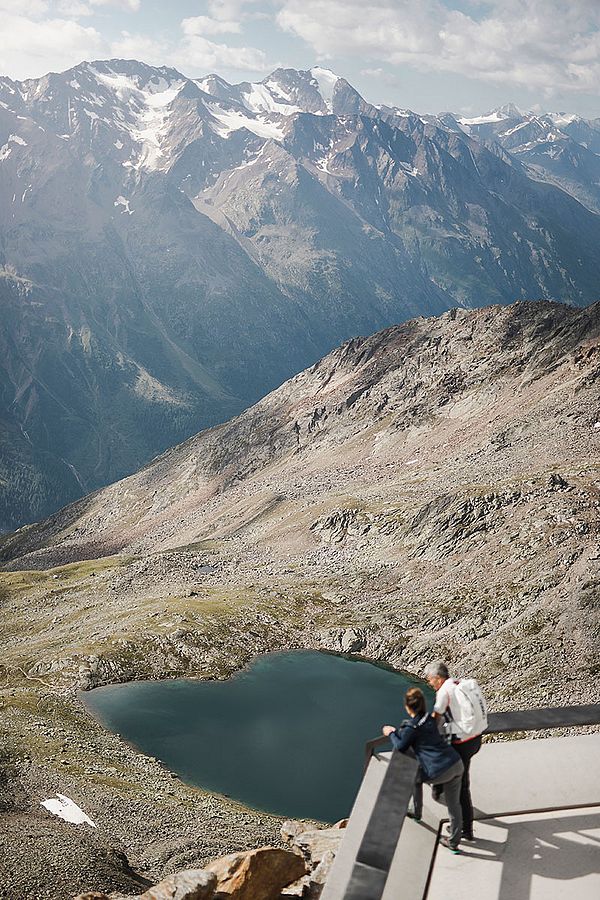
{"x": 466, "y": 835}
{"x": 413, "y": 815}
{"x": 445, "y": 842}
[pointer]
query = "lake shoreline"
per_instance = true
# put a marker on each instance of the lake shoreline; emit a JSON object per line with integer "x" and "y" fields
{"x": 310, "y": 704}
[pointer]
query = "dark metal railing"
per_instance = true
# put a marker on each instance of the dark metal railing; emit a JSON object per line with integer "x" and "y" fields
{"x": 380, "y": 838}
{"x": 522, "y": 720}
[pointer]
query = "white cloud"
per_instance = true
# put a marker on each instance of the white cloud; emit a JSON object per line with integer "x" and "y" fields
{"x": 33, "y": 47}
{"x": 139, "y": 46}
{"x": 74, "y": 8}
{"x": 41, "y": 38}
{"x": 131, "y": 5}
{"x": 205, "y": 25}
{"x": 198, "y": 54}
{"x": 77, "y": 8}
{"x": 26, "y": 7}
{"x": 544, "y": 44}
{"x": 229, "y": 10}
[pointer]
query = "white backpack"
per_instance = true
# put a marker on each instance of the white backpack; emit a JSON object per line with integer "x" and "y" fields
{"x": 469, "y": 709}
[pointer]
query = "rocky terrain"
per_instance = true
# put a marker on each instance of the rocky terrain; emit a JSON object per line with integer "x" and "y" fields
{"x": 431, "y": 490}
{"x": 171, "y": 249}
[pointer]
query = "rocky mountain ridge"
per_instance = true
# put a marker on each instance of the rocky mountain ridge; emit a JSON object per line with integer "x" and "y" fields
{"x": 562, "y": 148}
{"x": 172, "y": 249}
{"x": 431, "y": 453}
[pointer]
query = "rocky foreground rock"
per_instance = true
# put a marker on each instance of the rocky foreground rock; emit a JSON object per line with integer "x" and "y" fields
{"x": 267, "y": 873}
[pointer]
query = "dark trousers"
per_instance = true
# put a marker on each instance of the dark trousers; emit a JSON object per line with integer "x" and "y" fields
{"x": 466, "y": 751}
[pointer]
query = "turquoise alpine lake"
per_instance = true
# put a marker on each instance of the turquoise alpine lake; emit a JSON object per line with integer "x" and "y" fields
{"x": 285, "y": 735}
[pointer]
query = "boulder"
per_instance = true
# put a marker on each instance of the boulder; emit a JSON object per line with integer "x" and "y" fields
{"x": 290, "y": 829}
{"x": 320, "y": 875}
{"x": 191, "y": 884}
{"x": 256, "y": 874}
{"x": 313, "y": 845}
{"x": 297, "y": 889}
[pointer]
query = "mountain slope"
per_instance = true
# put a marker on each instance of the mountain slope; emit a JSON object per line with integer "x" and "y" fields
{"x": 171, "y": 249}
{"x": 432, "y": 489}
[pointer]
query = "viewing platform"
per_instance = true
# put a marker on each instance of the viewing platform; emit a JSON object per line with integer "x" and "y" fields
{"x": 537, "y": 823}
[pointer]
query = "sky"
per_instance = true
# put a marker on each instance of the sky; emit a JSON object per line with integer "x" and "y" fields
{"x": 468, "y": 56}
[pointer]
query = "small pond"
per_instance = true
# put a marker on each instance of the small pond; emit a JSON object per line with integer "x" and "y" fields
{"x": 285, "y": 735}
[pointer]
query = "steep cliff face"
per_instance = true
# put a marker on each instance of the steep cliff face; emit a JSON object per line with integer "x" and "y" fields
{"x": 172, "y": 249}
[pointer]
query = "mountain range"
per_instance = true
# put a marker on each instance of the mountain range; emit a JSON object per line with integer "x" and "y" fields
{"x": 171, "y": 249}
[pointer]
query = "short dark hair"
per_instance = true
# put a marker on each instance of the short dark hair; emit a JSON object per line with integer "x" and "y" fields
{"x": 415, "y": 701}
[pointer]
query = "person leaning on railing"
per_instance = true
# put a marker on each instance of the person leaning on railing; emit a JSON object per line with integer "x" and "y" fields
{"x": 465, "y": 744}
{"x": 439, "y": 763}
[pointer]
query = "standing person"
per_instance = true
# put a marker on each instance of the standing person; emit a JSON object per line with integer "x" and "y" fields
{"x": 466, "y": 735}
{"x": 438, "y": 762}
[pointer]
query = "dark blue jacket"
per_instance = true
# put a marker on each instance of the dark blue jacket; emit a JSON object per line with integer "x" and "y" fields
{"x": 433, "y": 753}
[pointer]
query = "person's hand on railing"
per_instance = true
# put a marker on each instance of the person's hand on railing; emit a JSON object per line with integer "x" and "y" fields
{"x": 387, "y": 730}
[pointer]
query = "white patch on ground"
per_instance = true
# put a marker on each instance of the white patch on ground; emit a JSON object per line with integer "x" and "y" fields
{"x": 124, "y": 202}
{"x": 6, "y": 149}
{"x": 596, "y": 424}
{"x": 515, "y": 129}
{"x": 66, "y": 809}
{"x": 149, "y": 106}
{"x": 561, "y": 119}
{"x": 322, "y": 165}
{"x": 152, "y": 122}
{"x": 327, "y": 80}
{"x": 118, "y": 145}
{"x": 232, "y": 120}
{"x": 260, "y": 99}
{"x": 496, "y": 116}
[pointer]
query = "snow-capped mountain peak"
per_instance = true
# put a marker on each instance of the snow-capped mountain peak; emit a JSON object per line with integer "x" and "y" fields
{"x": 327, "y": 82}
{"x": 501, "y": 114}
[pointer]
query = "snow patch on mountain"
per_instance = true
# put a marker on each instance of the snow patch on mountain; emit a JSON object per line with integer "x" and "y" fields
{"x": 67, "y": 809}
{"x": 327, "y": 80}
{"x": 149, "y": 109}
{"x": 231, "y": 120}
{"x": 259, "y": 98}
{"x": 495, "y": 116}
{"x": 124, "y": 202}
{"x": 6, "y": 149}
{"x": 562, "y": 119}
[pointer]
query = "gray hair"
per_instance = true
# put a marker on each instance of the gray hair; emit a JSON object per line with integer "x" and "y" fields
{"x": 437, "y": 669}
